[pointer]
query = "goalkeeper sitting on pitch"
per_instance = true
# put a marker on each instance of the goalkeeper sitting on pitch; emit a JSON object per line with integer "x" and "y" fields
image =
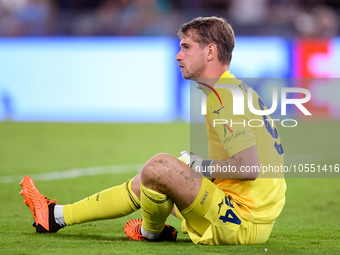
{"x": 216, "y": 206}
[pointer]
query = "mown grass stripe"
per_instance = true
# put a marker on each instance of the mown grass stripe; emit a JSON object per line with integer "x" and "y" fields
{"x": 74, "y": 173}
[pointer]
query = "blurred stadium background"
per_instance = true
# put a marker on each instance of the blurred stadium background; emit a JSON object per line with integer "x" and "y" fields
{"x": 89, "y": 60}
{"x": 91, "y": 88}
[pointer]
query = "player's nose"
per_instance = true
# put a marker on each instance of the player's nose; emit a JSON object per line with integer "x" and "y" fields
{"x": 178, "y": 56}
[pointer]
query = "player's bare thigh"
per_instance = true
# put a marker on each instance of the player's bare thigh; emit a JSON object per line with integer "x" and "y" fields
{"x": 168, "y": 175}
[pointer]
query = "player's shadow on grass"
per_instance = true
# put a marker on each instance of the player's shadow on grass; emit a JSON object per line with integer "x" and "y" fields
{"x": 93, "y": 237}
{"x": 73, "y": 236}
{"x": 96, "y": 237}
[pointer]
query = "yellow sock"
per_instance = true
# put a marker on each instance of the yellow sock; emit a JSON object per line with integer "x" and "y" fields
{"x": 111, "y": 203}
{"x": 156, "y": 207}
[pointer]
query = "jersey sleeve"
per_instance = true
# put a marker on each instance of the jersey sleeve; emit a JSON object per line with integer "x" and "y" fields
{"x": 233, "y": 130}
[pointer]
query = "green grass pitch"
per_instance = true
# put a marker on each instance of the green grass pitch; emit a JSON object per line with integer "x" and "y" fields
{"x": 309, "y": 223}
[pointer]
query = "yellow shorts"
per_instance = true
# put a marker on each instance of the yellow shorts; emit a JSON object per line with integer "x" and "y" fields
{"x": 212, "y": 219}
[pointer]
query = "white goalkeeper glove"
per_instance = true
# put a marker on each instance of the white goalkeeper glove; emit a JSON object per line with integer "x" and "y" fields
{"x": 197, "y": 163}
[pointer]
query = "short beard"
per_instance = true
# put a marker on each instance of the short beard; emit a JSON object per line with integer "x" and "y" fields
{"x": 198, "y": 69}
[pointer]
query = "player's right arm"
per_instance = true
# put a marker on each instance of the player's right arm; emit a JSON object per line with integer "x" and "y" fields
{"x": 234, "y": 167}
{"x": 243, "y": 165}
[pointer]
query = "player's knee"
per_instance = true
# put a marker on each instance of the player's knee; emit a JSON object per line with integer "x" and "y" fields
{"x": 156, "y": 169}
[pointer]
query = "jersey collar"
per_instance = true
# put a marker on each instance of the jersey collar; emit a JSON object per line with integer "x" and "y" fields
{"x": 227, "y": 74}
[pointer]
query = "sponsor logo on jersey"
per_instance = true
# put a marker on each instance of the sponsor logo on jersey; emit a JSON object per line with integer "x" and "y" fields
{"x": 205, "y": 197}
{"x": 233, "y": 135}
{"x": 227, "y": 129}
{"x": 218, "y": 111}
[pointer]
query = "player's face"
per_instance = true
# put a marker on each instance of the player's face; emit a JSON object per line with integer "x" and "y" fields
{"x": 190, "y": 58}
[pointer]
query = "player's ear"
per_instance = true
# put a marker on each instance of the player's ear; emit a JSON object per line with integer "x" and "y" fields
{"x": 211, "y": 51}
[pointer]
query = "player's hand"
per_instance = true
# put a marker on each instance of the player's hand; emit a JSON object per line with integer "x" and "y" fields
{"x": 190, "y": 159}
{"x": 185, "y": 157}
{"x": 197, "y": 163}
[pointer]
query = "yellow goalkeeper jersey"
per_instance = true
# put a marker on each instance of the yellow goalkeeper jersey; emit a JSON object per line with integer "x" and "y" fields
{"x": 261, "y": 200}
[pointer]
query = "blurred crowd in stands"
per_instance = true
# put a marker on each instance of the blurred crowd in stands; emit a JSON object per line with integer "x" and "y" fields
{"x": 287, "y": 18}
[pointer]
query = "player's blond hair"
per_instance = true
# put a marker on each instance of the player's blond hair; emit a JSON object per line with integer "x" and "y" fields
{"x": 208, "y": 30}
